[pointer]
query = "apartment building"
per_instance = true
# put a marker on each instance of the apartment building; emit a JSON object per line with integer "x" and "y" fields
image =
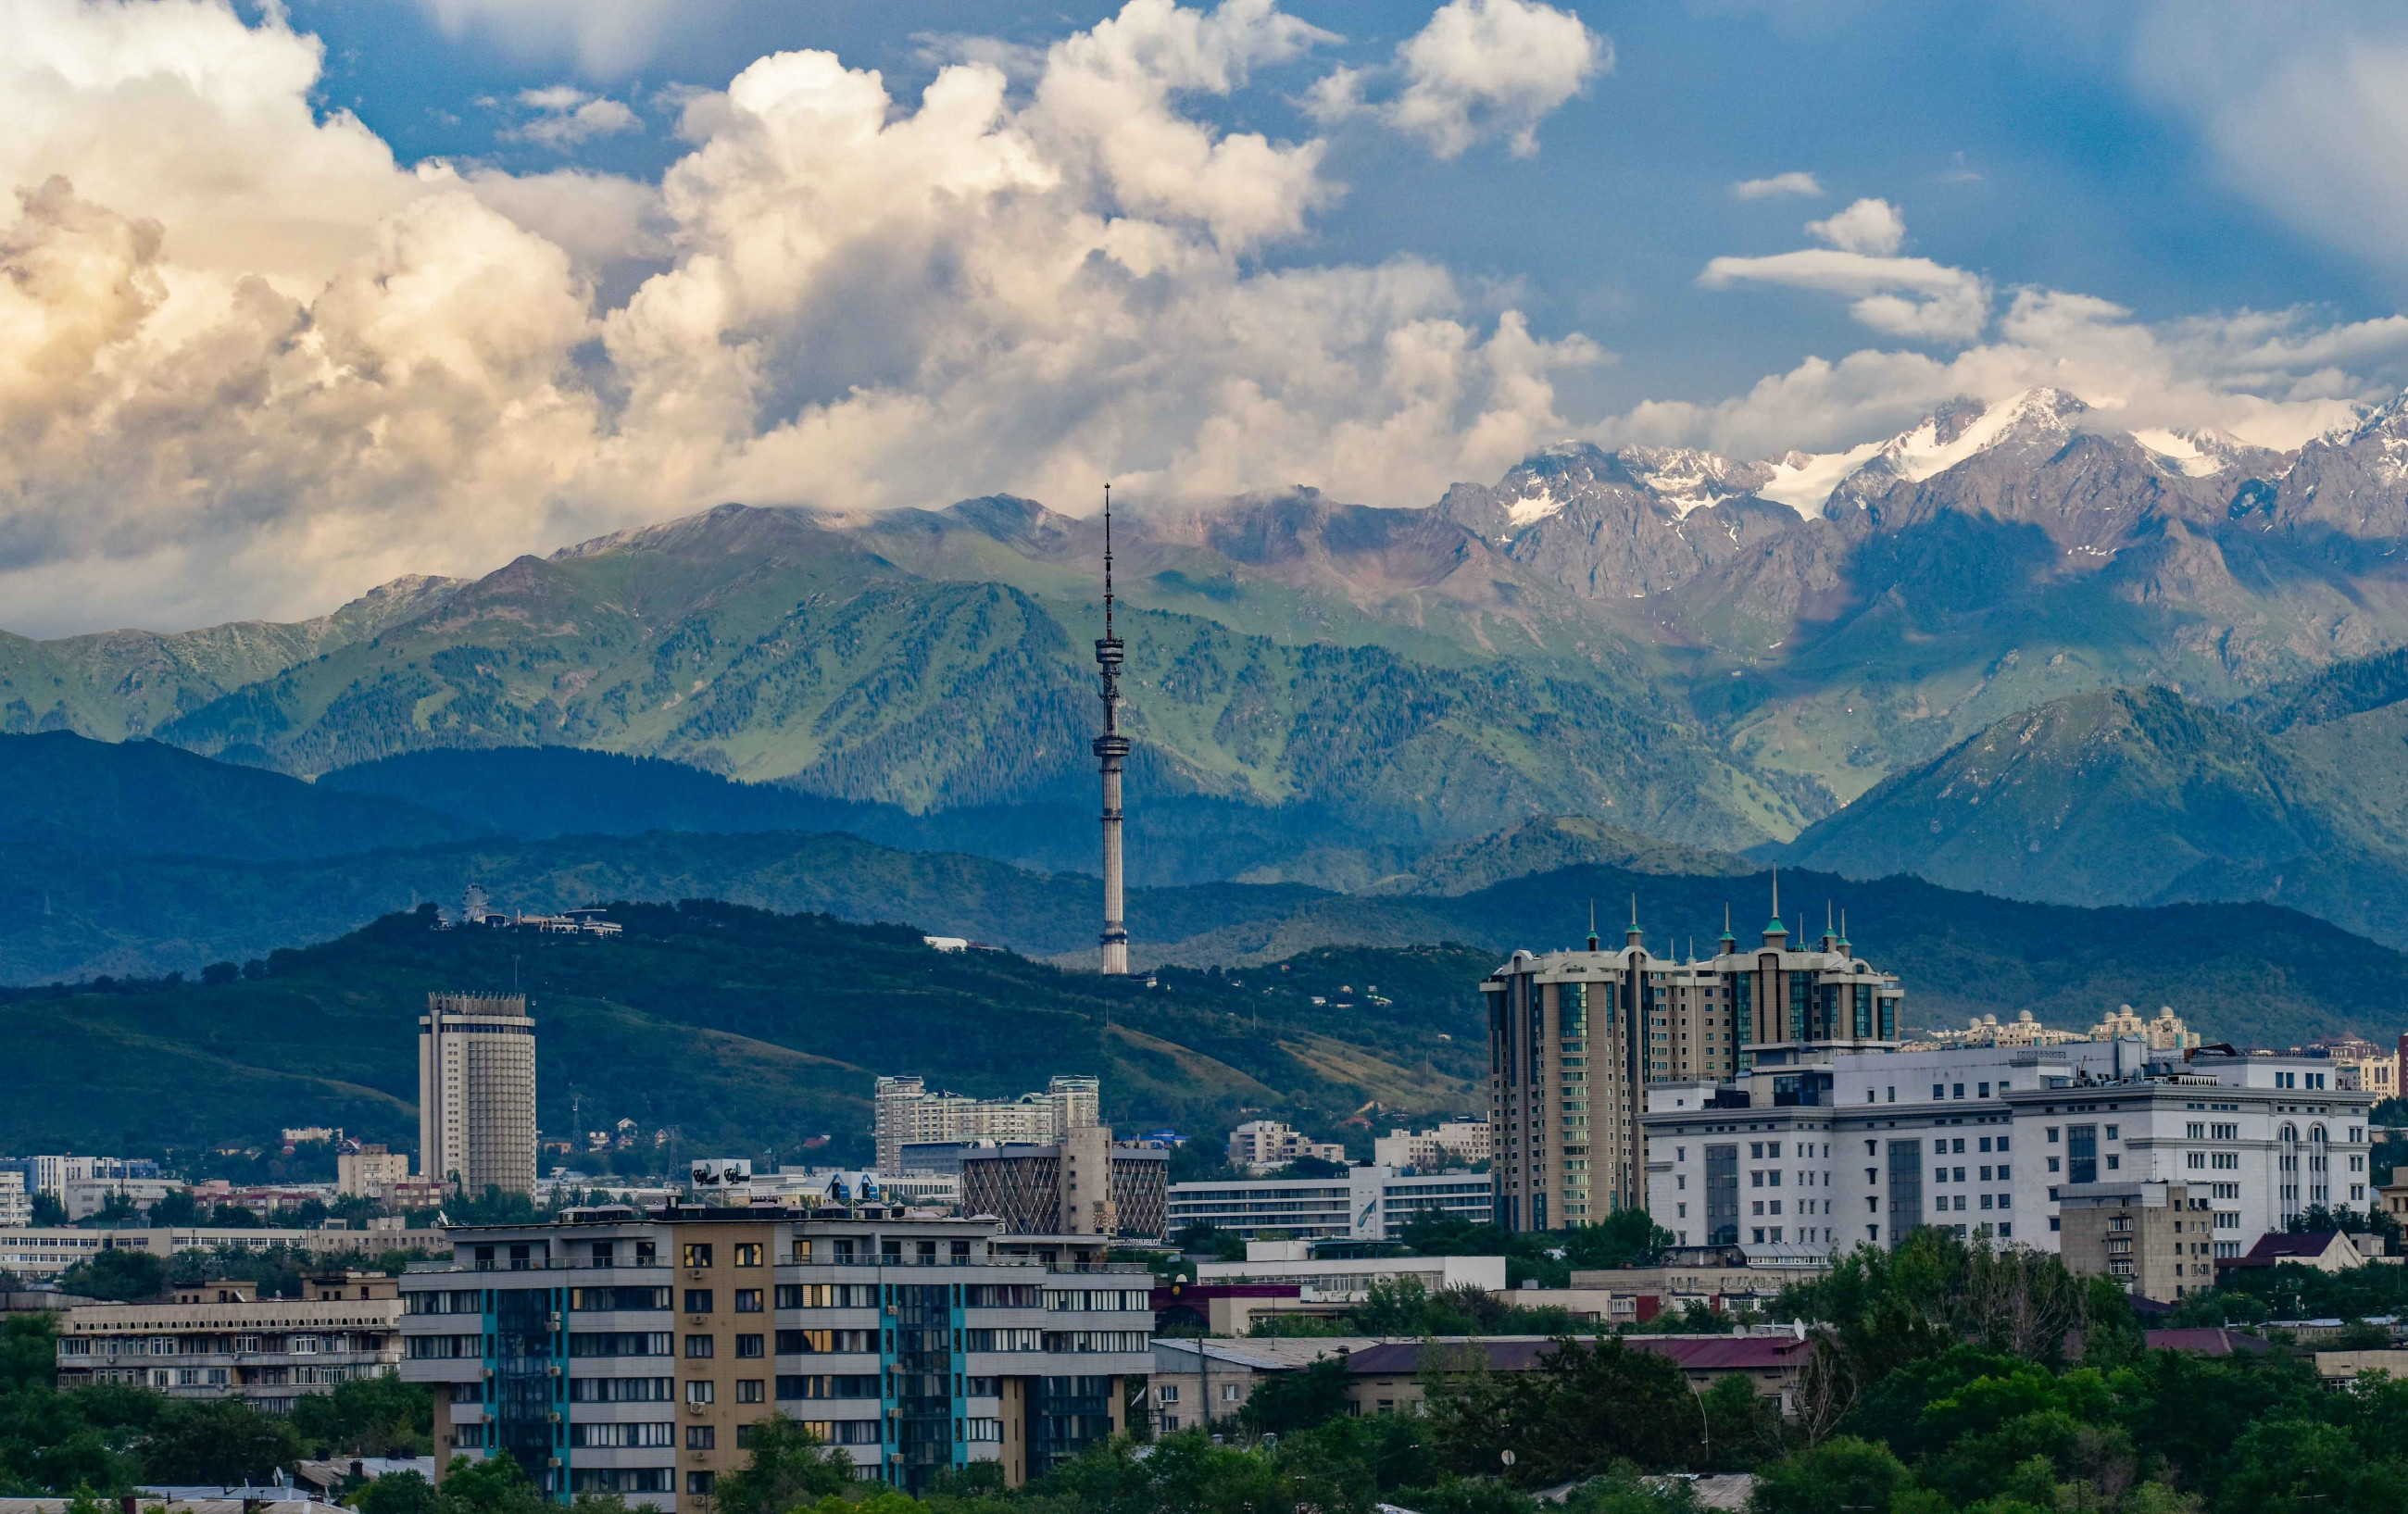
{"x": 1367, "y": 1204}
{"x": 2156, "y": 1238}
{"x": 1835, "y": 1148}
{"x": 1460, "y": 1140}
{"x": 85, "y": 1197}
{"x": 1261, "y": 1146}
{"x": 908, "y": 1113}
{"x": 16, "y": 1204}
{"x": 476, "y": 1092}
{"x": 370, "y": 1172}
{"x": 1085, "y": 1185}
{"x": 1577, "y": 1038}
{"x": 609, "y": 1351}
{"x": 1322, "y": 1278}
{"x": 39, "y": 1255}
{"x": 220, "y": 1340}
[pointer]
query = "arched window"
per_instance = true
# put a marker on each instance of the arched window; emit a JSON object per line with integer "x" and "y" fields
{"x": 2316, "y": 1135}
{"x": 2291, "y": 1135}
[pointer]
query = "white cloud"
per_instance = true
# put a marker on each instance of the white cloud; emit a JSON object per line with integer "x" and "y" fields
{"x": 1872, "y": 227}
{"x": 1796, "y": 182}
{"x": 249, "y": 365}
{"x": 1910, "y": 297}
{"x": 565, "y": 116}
{"x": 2271, "y": 378}
{"x": 1480, "y": 68}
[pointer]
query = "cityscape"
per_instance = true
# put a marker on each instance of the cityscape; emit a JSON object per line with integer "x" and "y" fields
{"x": 920, "y": 760}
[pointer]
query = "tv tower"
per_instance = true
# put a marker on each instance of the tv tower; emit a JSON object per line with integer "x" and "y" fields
{"x": 1112, "y": 749}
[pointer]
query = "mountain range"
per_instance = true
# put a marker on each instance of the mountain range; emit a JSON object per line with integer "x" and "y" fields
{"x": 1781, "y": 657}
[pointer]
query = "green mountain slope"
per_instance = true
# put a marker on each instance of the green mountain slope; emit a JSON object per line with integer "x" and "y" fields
{"x": 2247, "y": 971}
{"x": 146, "y": 796}
{"x": 2137, "y": 796}
{"x": 751, "y": 1033}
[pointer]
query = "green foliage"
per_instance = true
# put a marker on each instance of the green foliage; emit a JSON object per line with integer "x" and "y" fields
{"x": 1589, "y": 1406}
{"x": 218, "y": 1440}
{"x": 1286, "y": 1402}
{"x": 1839, "y": 1477}
{"x": 124, "y": 1274}
{"x": 396, "y": 1493}
{"x": 789, "y": 1466}
{"x": 490, "y": 1485}
{"x": 380, "y": 1416}
{"x": 1626, "y": 1238}
{"x": 50, "y": 1213}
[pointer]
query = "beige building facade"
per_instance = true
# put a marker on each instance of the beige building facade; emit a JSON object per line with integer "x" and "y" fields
{"x": 219, "y": 1340}
{"x": 476, "y": 1092}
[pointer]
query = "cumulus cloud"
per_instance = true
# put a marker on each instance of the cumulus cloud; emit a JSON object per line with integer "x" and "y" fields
{"x": 1480, "y": 68}
{"x": 1909, "y": 297}
{"x": 2271, "y": 378}
{"x": 1796, "y": 182}
{"x": 565, "y": 116}
{"x": 250, "y": 364}
{"x": 1872, "y": 227}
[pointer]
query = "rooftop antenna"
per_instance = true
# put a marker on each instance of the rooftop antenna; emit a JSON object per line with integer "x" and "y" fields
{"x": 1592, "y": 924}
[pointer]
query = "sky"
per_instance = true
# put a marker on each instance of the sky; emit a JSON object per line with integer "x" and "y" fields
{"x": 301, "y": 298}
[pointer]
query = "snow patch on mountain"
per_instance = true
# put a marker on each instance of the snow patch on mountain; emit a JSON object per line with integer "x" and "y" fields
{"x": 1531, "y": 509}
{"x": 2196, "y": 453}
{"x": 1690, "y": 479}
{"x": 1803, "y": 481}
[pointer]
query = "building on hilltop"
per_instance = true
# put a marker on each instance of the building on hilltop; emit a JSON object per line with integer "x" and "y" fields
{"x": 1986, "y": 1030}
{"x": 475, "y": 1092}
{"x": 2164, "y": 1032}
{"x": 908, "y": 1114}
{"x": 1577, "y": 1037}
{"x": 1085, "y": 1184}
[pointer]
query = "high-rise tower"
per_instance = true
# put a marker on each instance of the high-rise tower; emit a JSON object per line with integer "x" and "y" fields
{"x": 1112, "y": 749}
{"x": 475, "y": 1092}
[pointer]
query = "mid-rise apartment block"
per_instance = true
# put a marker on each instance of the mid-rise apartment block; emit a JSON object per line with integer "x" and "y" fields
{"x": 611, "y": 1352}
{"x": 1262, "y": 1145}
{"x": 2156, "y": 1238}
{"x": 1366, "y": 1204}
{"x": 1577, "y": 1038}
{"x": 16, "y": 1204}
{"x": 220, "y": 1340}
{"x": 1459, "y": 1140}
{"x": 370, "y": 1172}
{"x": 1833, "y": 1147}
{"x": 40, "y": 1254}
{"x": 908, "y": 1113}
{"x": 476, "y": 1092}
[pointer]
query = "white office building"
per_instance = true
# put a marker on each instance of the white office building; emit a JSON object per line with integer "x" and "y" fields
{"x": 1367, "y": 1204}
{"x": 1829, "y": 1150}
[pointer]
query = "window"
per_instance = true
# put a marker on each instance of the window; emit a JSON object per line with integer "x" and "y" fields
{"x": 1229, "y": 1393}
{"x": 748, "y": 1391}
{"x": 2052, "y": 1134}
{"x": 1985, "y": 1090}
{"x": 749, "y": 1345}
{"x": 748, "y": 1301}
{"x": 2002, "y": 1143}
{"x": 744, "y": 1434}
{"x": 701, "y": 1437}
{"x": 698, "y": 1484}
{"x": 697, "y": 1301}
{"x": 1166, "y": 1393}
{"x": 2111, "y": 1133}
{"x": 748, "y": 1254}
{"x": 1960, "y": 1089}
{"x": 701, "y": 1390}
{"x": 600, "y": 1436}
{"x": 1939, "y": 1090}
{"x": 697, "y": 1253}
{"x": 699, "y": 1347}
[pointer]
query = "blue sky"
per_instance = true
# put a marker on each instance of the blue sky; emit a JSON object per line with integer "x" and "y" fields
{"x": 301, "y": 299}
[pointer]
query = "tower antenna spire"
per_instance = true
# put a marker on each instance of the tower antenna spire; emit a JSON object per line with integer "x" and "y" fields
{"x": 1112, "y": 749}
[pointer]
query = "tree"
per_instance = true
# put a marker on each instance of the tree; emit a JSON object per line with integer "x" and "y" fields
{"x": 49, "y": 1213}
{"x": 1283, "y": 1403}
{"x": 396, "y": 1493}
{"x": 217, "y": 1441}
{"x": 1625, "y": 1238}
{"x": 789, "y": 1466}
{"x": 117, "y": 1275}
{"x": 219, "y": 972}
{"x": 494, "y": 1485}
{"x": 1840, "y": 1476}
{"x": 380, "y": 1416}
{"x": 176, "y": 1207}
